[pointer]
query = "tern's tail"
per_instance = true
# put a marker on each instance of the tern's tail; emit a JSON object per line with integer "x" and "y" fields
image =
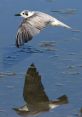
{"x": 59, "y": 23}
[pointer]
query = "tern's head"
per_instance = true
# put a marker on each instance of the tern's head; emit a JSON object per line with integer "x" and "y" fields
{"x": 25, "y": 13}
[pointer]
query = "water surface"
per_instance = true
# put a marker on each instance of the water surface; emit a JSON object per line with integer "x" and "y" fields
{"x": 56, "y": 52}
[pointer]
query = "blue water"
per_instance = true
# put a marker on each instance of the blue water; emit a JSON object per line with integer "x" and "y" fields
{"x": 60, "y": 68}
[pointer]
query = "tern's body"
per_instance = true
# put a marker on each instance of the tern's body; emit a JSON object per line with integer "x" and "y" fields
{"x": 33, "y": 23}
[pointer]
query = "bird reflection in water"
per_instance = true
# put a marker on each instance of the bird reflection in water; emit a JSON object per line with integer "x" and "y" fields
{"x": 34, "y": 95}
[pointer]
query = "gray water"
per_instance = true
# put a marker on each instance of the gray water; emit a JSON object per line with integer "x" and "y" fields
{"x": 59, "y": 62}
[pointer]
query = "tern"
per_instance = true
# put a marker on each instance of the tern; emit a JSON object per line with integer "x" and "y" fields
{"x": 33, "y": 23}
{"x": 35, "y": 97}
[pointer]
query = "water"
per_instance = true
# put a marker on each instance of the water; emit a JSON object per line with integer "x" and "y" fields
{"x": 59, "y": 64}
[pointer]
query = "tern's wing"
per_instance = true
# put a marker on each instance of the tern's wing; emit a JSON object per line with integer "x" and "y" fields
{"x": 33, "y": 92}
{"x": 32, "y": 26}
{"x": 25, "y": 33}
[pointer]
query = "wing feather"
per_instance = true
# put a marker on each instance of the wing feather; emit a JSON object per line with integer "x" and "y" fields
{"x": 33, "y": 91}
{"x": 25, "y": 33}
{"x": 31, "y": 26}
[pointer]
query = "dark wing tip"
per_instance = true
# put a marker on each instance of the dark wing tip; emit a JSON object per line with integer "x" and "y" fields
{"x": 19, "y": 39}
{"x": 63, "y": 99}
{"x": 22, "y": 38}
{"x": 17, "y": 45}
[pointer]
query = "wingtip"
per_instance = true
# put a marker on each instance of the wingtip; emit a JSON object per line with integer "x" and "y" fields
{"x": 63, "y": 99}
{"x": 17, "y": 45}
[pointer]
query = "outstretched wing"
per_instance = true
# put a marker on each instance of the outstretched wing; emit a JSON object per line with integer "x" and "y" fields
{"x": 33, "y": 92}
{"x": 25, "y": 33}
{"x": 31, "y": 26}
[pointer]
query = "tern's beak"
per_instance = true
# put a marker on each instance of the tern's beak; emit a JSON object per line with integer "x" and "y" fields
{"x": 18, "y": 14}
